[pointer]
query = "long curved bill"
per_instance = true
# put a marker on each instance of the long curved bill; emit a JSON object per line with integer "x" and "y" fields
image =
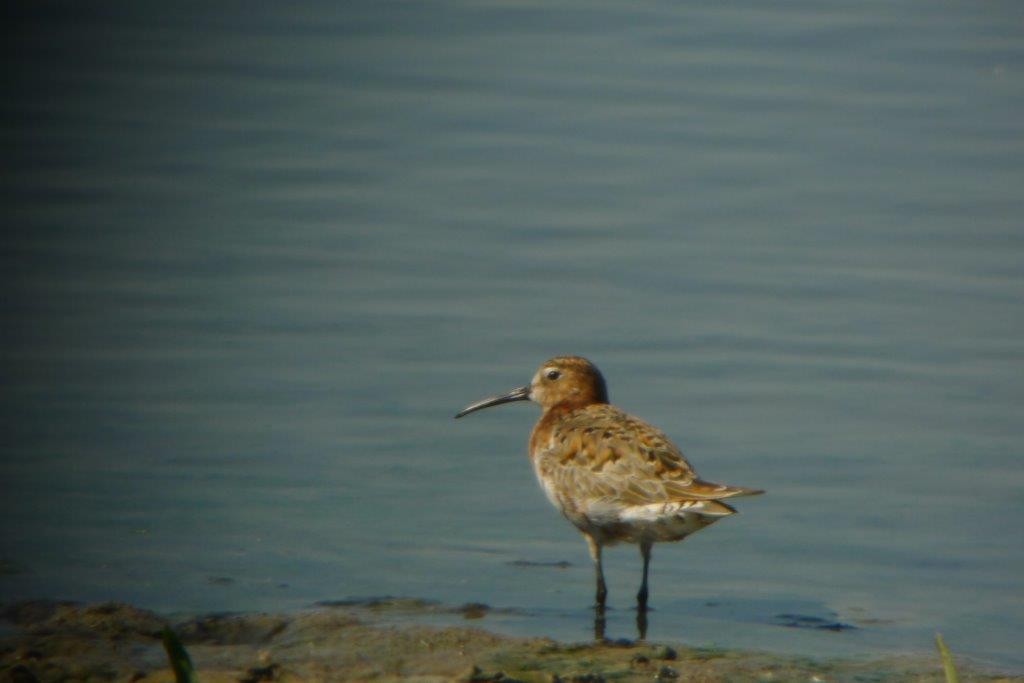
{"x": 520, "y": 394}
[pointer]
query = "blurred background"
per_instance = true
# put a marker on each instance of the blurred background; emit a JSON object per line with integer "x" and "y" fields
{"x": 255, "y": 256}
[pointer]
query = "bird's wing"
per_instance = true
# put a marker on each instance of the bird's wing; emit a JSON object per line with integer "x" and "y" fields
{"x": 601, "y": 453}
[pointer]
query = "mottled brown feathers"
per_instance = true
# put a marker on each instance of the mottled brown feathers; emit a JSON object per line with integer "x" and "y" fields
{"x": 584, "y": 448}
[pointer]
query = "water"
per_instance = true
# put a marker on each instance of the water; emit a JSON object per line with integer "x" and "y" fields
{"x": 255, "y": 258}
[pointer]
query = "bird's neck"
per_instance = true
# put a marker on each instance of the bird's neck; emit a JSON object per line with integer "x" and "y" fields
{"x": 549, "y": 419}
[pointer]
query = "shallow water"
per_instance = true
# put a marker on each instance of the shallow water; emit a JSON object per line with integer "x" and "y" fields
{"x": 256, "y": 259}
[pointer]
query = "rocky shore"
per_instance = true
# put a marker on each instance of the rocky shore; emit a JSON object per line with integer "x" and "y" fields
{"x": 353, "y": 641}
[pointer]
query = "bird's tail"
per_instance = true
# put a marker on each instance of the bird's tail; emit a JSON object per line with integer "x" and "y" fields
{"x": 736, "y": 491}
{"x": 698, "y": 489}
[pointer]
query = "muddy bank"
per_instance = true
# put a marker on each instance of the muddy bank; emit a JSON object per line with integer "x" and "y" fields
{"x": 347, "y": 641}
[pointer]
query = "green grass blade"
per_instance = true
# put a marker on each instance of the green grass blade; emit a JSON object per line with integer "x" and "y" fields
{"x": 184, "y": 672}
{"x": 947, "y": 660}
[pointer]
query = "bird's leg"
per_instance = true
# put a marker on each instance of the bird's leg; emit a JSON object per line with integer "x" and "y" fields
{"x": 602, "y": 590}
{"x": 641, "y": 624}
{"x": 641, "y": 597}
{"x": 599, "y": 623}
{"x": 595, "y": 555}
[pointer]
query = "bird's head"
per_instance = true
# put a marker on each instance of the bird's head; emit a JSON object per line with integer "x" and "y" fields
{"x": 563, "y": 380}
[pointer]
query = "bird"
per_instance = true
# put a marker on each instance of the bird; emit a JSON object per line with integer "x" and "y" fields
{"x": 615, "y": 477}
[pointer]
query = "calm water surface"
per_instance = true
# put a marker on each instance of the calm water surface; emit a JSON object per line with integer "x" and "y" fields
{"x": 254, "y": 259}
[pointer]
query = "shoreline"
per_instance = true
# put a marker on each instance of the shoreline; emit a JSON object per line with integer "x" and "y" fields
{"x": 359, "y": 640}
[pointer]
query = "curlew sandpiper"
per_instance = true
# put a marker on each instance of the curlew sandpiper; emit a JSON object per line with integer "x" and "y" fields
{"x": 615, "y": 477}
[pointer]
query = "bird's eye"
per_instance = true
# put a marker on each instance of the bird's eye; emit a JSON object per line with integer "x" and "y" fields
{"x": 554, "y": 374}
